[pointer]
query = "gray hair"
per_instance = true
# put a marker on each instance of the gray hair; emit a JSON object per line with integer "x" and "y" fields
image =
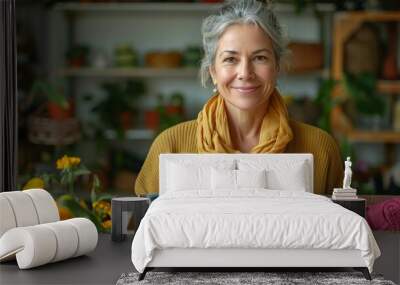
{"x": 240, "y": 12}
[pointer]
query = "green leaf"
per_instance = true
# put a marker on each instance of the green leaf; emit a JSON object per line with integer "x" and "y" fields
{"x": 71, "y": 203}
{"x": 362, "y": 89}
{"x": 95, "y": 186}
{"x": 81, "y": 171}
{"x": 104, "y": 196}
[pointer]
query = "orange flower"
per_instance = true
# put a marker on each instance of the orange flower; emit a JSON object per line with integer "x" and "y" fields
{"x": 65, "y": 214}
{"x": 106, "y": 224}
{"x": 102, "y": 207}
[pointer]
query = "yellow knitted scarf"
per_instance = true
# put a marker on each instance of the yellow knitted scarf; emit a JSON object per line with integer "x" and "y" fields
{"x": 213, "y": 130}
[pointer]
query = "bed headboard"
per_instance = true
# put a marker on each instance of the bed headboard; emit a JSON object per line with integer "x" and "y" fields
{"x": 307, "y": 158}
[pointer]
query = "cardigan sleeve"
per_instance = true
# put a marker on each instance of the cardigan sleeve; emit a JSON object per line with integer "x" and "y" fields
{"x": 147, "y": 180}
{"x": 335, "y": 169}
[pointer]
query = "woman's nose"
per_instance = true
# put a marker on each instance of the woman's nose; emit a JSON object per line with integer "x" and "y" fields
{"x": 245, "y": 70}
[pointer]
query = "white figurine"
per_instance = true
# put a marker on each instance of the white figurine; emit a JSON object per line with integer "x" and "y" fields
{"x": 347, "y": 174}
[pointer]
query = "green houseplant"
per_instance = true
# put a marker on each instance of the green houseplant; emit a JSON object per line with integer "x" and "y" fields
{"x": 57, "y": 105}
{"x": 116, "y": 111}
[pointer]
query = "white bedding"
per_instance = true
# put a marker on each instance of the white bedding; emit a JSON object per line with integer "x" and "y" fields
{"x": 251, "y": 218}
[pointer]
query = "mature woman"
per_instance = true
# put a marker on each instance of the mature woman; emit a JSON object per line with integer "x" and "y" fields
{"x": 243, "y": 52}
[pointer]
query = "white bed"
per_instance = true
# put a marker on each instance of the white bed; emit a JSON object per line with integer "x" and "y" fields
{"x": 268, "y": 217}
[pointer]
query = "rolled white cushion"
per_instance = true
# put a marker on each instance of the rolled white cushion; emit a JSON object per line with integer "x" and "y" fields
{"x": 87, "y": 235}
{"x": 45, "y": 205}
{"x": 33, "y": 245}
{"x": 7, "y": 218}
{"x": 23, "y": 208}
{"x": 40, "y": 244}
{"x": 66, "y": 238}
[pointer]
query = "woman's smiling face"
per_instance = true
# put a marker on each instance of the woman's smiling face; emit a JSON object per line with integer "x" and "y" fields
{"x": 245, "y": 67}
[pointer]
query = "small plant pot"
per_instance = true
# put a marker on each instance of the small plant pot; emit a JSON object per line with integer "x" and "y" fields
{"x": 126, "y": 120}
{"x": 56, "y": 112}
{"x": 172, "y": 110}
{"x": 152, "y": 120}
{"x": 77, "y": 62}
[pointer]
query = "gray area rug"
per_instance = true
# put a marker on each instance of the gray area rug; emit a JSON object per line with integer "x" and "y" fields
{"x": 229, "y": 278}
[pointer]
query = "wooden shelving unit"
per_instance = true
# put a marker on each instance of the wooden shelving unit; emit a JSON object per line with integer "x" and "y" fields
{"x": 345, "y": 25}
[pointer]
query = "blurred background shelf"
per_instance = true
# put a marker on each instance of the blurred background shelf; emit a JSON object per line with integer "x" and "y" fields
{"x": 136, "y": 7}
{"x": 172, "y": 7}
{"x": 389, "y": 86}
{"x": 374, "y": 136}
{"x": 183, "y": 72}
{"x": 133, "y": 134}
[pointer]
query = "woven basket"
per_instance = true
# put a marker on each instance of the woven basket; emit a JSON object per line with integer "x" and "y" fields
{"x": 53, "y": 132}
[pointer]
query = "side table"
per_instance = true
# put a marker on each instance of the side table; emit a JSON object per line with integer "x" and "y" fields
{"x": 126, "y": 214}
{"x": 356, "y": 205}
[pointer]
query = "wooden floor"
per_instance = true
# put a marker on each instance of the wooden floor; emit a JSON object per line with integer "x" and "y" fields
{"x": 102, "y": 266}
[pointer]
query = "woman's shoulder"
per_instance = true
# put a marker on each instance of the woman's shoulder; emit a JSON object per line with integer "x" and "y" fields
{"x": 181, "y": 129}
{"x": 179, "y": 137}
{"x": 310, "y": 136}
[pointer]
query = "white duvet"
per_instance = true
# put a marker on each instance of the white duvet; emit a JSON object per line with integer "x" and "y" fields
{"x": 253, "y": 218}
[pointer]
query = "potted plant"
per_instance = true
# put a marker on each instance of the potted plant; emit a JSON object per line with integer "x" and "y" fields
{"x": 117, "y": 110}
{"x": 170, "y": 113}
{"x": 57, "y": 105}
{"x": 77, "y": 56}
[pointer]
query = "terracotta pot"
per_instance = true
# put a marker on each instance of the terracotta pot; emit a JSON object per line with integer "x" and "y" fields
{"x": 170, "y": 59}
{"x": 126, "y": 120}
{"x": 56, "y": 112}
{"x": 152, "y": 119}
{"x": 171, "y": 109}
{"x": 77, "y": 62}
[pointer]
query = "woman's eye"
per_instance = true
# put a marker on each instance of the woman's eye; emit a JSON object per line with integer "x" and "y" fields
{"x": 229, "y": 59}
{"x": 260, "y": 58}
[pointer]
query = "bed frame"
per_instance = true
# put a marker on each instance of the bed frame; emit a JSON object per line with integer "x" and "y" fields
{"x": 246, "y": 259}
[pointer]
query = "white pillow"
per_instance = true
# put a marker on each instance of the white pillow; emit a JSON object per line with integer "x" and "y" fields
{"x": 236, "y": 179}
{"x": 281, "y": 175}
{"x": 183, "y": 175}
{"x": 251, "y": 178}
{"x": 223, "y": 179}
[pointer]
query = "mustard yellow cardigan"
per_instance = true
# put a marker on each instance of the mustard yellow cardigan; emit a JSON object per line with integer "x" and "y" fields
{"x": 328, "y": 165}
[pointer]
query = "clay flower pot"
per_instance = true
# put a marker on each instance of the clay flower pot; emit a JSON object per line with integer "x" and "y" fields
{"x": 57, "y": 112}
{"x": 152, "y": 119}
{"x": 126, "y": 120}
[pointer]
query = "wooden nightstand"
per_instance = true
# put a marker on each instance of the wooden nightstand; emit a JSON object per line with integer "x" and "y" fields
{"x": 355, "y": 205}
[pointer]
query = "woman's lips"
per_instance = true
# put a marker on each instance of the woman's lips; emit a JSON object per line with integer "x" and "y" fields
{"x": 246, "y": 90}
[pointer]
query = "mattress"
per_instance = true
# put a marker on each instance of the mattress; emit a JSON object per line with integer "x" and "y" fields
{"x": 250, "y": 219}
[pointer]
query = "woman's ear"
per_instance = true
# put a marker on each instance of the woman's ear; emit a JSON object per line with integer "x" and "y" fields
{"x": 278, "y": 68}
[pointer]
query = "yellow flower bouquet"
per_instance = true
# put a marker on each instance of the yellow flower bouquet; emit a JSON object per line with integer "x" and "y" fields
{"x": 69, "y": 204}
